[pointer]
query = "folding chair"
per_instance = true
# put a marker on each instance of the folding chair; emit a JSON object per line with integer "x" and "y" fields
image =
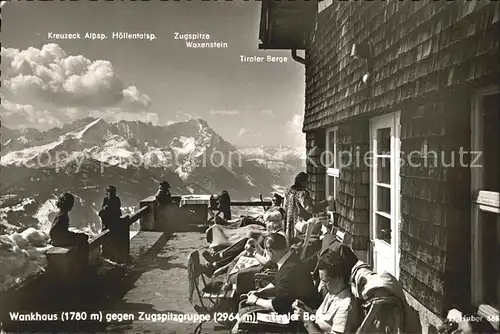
{"x": 207, "y": 302}
{"x": 195, "y": 275}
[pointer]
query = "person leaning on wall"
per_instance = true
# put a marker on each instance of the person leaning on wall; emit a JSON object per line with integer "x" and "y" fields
{"x": 111, "y": 208}
{"x": 224, "y": 205}
{"x": 60, "y": 235}
{"x": 163, "y": 195}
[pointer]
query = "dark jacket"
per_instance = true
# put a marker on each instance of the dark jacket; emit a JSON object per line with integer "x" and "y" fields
{"x": 59, "y": 227}
{"x": 293, "y": 281}
{"x": 59, "y": 234}
{"x": 111, "y": 211}
{"x": 113, "y": 206}
{"x": 163, "y": 197}
{"x": 224, "y": 207}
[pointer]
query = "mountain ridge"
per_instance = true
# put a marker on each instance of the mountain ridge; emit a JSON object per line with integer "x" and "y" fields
{"x": 134, "y": 156}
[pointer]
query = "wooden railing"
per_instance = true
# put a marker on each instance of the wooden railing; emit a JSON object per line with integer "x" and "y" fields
{"x": 249, "y": 203}
{"x": 67, "y": 263}
{"x": 68, "y": 266}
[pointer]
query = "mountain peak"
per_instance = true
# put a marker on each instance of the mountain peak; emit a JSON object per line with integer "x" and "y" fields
{"x": 198, "y": 121}
{"x": 94, "y": 129}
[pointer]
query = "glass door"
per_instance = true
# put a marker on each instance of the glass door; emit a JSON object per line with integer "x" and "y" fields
{"x": 385, "y": 192}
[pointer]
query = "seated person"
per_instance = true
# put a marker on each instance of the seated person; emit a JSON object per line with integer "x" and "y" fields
{"x": 277, "y": 201}
{"x": 60, "y": 236}
{"x": 292, "y": 280}
{"x": 339, "y": 312}
{"x": 274, "y": 224}
{"x": 248, "y": 247}
{"x": 277, "y": 204}
{"x": 244, "y": 277}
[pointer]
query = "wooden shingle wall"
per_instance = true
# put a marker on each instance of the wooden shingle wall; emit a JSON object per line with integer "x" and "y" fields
{"x": 419, "y": 48}
{"x": 428, "y": 58}
{"x": 315, "y": 145}
{"x": 353, "y": 198}
{"x": 435, "y": 202}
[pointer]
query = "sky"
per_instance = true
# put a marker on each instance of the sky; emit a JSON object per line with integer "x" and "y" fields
{"x": 50, "y": 81}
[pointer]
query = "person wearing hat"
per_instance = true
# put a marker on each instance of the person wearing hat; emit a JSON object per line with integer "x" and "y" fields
{"x": 163, "y": 195}
{"x": 111, "y": 208}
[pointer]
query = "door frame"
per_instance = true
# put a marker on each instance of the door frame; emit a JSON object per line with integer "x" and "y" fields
{"x": 391, "y": 120}
{"x": 477, "y": 184}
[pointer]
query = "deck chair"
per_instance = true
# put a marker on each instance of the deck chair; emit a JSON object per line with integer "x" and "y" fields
{"x": 266, "y": 277}
{"x": 203, "y": 301}
{"x": 197, "y": 281}
{"x": 261, "y": 325}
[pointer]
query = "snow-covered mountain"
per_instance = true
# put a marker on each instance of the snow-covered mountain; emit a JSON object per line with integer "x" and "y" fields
{"x": 273, "y": 153}
{"x": 86, "y": 155}
{"x": 283, "y": 160}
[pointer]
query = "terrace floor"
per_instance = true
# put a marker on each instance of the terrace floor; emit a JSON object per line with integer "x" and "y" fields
{"x": 158, "y": 282}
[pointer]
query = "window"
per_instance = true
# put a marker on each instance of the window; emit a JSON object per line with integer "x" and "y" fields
{"x": 324, "y": 5}
{"x": 485, "y": 187}
{"x": 332, "y": 164}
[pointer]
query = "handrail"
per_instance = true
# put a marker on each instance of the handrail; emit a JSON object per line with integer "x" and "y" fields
{"x": 249, "y": 203}
{"x": 99, "y": 239}
{"x": 138, "y": 214}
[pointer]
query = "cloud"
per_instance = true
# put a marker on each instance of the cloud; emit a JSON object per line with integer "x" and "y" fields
{"x": 49, "y": 82}
{"x": 135, "y": 99}
{"x": 224, "y": 112}
{"x": 242, "y": 132}
{"x": 14, "y": 114}
{"x": 294, "y": 128}
{"x": 267, "y": 112}
{"x": 295, "y": 125}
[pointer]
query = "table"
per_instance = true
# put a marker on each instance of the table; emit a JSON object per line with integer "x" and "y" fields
{"x": 195, "y": 199}
{"x": 198, "y": 206}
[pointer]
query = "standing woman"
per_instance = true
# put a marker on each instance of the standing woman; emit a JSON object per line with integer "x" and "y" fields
{"x": 298, "y": 203}
{"x": 59, "y": 234}
{"x": 224, "y": 205}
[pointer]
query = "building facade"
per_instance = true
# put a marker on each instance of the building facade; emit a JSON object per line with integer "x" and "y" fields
{"x": 402, "y": 127}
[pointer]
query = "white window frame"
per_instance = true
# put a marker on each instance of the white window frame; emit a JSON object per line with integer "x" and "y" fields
{"x": 324, "y": 5}
{"x": 477, "y": 184}
{"x": 332, "y": 172}
{"x": 392, "y": 120}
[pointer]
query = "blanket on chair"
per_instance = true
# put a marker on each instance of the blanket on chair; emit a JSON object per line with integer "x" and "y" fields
{"x": 223, "y": 236}
{"x": 384, "y": 293}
